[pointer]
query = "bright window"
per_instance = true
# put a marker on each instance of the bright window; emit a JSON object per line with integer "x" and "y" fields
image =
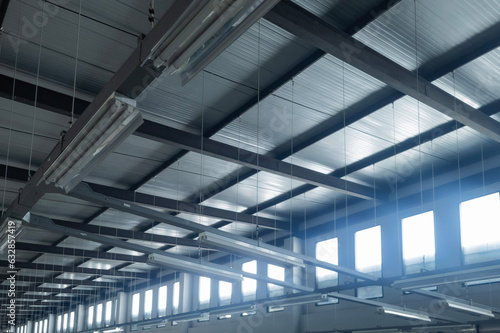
{"x": 148, "y": 304}
{"x": 90, "y": 318}
{"x": 225, "y": 292}
{"x": 59, "y": 323}
{"x": 162, "y": 301}
{"x": 72, "y": 320}
{"x": 249, "y": 286}
{"x": 98, "y": 315}
{"x": 204, "y": 291}
{"x": 418, "y": 243}
{"x": 36, "y": 327}
{"x": 109, "y": 312}
{"x": 65, "y": 322}
{"x": 45, "y": 325}
{"x": 176, "y": 297}
{"x": 328, "y": 251}
{"x": 277, "y": 273}
{"x": 136, "y": 299}
{"x": 368, "y": 258}
{"x": 480, "y": 228}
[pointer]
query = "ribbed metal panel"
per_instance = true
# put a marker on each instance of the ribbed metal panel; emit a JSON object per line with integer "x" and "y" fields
{"x": 338, "y": 13}
{"x": 477, "y": 83}
{"x": 441, "y": 25}
{"x": 116, "y": 219}
{"x": 100, "y": 264}
{"x": 255, "y": 58}
{"x": 73, "y": 276}
{"x": 38, "y": 236}
{"x": 168, "y": 230}
{"x": 26, "y": 273}
{"x": 102, "y": 48}
{"x": 135, "y": 158}
{"x": 63, "y": 207}
{"x": 256, "y": 189}
{"x": 79, "y": 243}
{"x": 192, "y": 173}
{"x": 137, "y": 268}
{"x": 52, "y": 259}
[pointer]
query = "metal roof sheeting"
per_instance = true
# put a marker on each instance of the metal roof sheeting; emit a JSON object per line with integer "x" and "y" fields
{"x": 441, "y": 25}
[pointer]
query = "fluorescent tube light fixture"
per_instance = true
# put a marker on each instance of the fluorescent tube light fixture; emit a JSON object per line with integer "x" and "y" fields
{"x": 468, "y": 308}
{"x": 248, "y": 313}
{"x": 206, "y": 30}
{"x": 189, "y": 317}
{"x": 113, "y": 330}
{"x": 275, "y": 308}
{"x": 382, "y": 330}
{"x": 249, "y": 247}
{"x": 481, "y": 282}
{"x": 111, "y": 125}
{"x": 300, "y": 300}
{"x": 404, "y": 313}
{"x": 185, "y": 264}
{"x": 445, "y": 328}
{"x": 233, "y": 309}
{"x": 328, "y": 301}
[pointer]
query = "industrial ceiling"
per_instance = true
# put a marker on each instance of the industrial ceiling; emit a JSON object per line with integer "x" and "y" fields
{"x": 320, "y": 116}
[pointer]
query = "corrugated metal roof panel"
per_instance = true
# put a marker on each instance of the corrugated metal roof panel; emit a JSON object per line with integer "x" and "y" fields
{"x": 191, "y": 173}
{"x": 116, "y": 219}
{"x": 338, "y": 13}
{"x": 476, "y": 83}
{"x": 441, "y": 25}
{"x": 52, "y": 259}
{"x": 101, "y": 264}
{"x": 168, "y": 230}
{"x": 63, "y": 207}
{"x": 252, "y": 191}
{"x": 255, "y": 60}
{"x": 73, "y": 276}
{"x": 79, "y": 243}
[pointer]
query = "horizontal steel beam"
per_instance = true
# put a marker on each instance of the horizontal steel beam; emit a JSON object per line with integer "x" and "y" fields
{"x": 84, "y": 254}
{"x": 71, "y": 282}
{"x": 31, "y": 289}
{"x": 128, "y": 234}
{"x": 168, "y": 135}
{"x": 84, "y": 192}
{"x": 306, "y": 26}
{"x": 187, "y": 207}
{"x": 73, "y": 269}
{"x": 47, "y": 224}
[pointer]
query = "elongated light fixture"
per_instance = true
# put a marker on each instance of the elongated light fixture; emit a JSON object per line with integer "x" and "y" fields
{"x": 249, "y": 247}
{"x": 469, "y": 308}
{"x": 111, "y": 125}
{"x": 382, "y": 330}
{"x": 302, "y": 300}
{"x": 188, "y": 317}
{"x": 206, "y": 269}
{"x": 404, "y": 313}
{"x": 206, "y": 31}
